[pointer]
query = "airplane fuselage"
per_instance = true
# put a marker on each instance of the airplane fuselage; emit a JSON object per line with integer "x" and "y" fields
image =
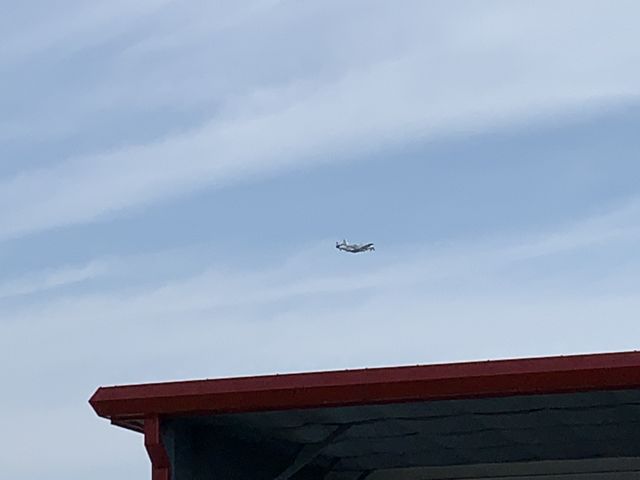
{"x": 355, "y": 248}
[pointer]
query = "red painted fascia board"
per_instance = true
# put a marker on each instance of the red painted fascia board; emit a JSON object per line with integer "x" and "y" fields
{"x": 496, "y": 378}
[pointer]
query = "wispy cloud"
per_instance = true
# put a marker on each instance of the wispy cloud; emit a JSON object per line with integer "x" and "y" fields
{"x": 316, "y": 279}
{"x": 38, "y": 282}
{"x": 416, "y": 94}
{"x": 72, "y": 26}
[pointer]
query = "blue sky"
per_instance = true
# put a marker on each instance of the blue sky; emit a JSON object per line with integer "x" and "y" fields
{"x": 173, "y": 177}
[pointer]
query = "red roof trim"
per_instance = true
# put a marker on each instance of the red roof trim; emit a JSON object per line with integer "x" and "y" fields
{"x": 373, "y": 386}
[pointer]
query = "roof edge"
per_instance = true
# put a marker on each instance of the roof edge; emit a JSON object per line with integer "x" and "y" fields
{"x": 471, "y": 379}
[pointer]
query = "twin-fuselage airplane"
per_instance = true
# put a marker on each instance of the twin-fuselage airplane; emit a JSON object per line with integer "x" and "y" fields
{"x": 354, "y": 247}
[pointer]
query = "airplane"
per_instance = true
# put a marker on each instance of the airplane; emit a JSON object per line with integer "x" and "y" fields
{"x": 354, "y": 247}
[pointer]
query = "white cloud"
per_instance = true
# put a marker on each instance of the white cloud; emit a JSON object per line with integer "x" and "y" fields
{"x": 71, "y": 26}
{"x": 38, "y": 282}
{"x": 321, "y": 288}
{"x": 495, "y": 68}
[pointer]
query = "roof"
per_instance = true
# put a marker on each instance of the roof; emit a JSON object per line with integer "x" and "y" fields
{"x": 382, "y": 421}
{"x": 548, "y": 375}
